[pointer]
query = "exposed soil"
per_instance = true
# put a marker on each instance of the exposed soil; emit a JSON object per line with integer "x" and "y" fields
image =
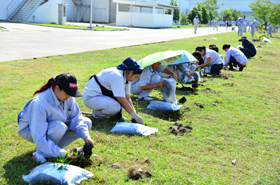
{"x": 209, "y": 90}
{"x": 84, "y": 160}
{"x": 179, "y": 129}
{"x": 229, "y": 84}
{"x": 116, "y": 165}
{"x": 136, "y": 173}
{"x": 187, "y": 89}
{"x": 199, "y": 105}
{"x": 182, "y": 100}
{"x": 133, "y": 120}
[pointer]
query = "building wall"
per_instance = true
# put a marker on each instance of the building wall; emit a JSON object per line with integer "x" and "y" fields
{"x": 46, "y": 13}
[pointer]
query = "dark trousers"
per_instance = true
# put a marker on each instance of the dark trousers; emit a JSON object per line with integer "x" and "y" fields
{"x": 216, "y": 69}
{"x": 247, "y": 52}
{"x": 233, "y": 62}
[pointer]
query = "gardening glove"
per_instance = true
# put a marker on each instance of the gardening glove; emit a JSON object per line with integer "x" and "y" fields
{"x": 137, "y": 118}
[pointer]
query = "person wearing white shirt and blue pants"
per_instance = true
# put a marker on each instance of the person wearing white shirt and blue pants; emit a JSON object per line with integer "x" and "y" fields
{"x": 108, "y": 92}
{"x": 52, "y": 119}
{"x": 234, "y": 57}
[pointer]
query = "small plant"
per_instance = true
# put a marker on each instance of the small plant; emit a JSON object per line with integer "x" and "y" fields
{"x": 62, "y": 163}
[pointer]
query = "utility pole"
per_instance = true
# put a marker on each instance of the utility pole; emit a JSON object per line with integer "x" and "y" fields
{"x": 90, "y": 20}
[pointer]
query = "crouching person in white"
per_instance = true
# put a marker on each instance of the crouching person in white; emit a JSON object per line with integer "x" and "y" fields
{"x": 52, "y": 119}
{"x": 234, "y": 57}
{"x": 149, "y": 80}
{"x": 108, "y": 92}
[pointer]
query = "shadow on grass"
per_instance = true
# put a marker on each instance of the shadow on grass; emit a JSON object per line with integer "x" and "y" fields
{"x": 18, "y": 166}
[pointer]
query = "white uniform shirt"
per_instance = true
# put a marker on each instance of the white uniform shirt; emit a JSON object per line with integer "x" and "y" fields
{"x": 237, "y": 55}
{"x": 44, "y": 108}
{"x": 145, "y": 77}
{"x": 215, "y": 57}
{"x": 195, "y": 21}
{"x": 112, "y": 79}
{"x": 233, "y": 23}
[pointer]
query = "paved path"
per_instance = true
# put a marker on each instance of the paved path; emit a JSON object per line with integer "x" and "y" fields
{"x": 24, "y": 41}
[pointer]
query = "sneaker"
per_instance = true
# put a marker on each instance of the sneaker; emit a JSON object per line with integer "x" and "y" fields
{"x": 220, "y": 74}
{"x": 38, "y": 157}
{"x": 241, "y": 68}
{"x": 147, "y": 98}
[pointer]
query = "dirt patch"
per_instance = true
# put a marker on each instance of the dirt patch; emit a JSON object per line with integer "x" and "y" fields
{"x": 182, "y": 100}
{"x": 116, "y": 165}
{"x": 179, "y": 129}
{"x": 259, "y": 46}
{"x": 229, "y": 84}
{"x": 187, "y": 89}
{"x": 218, "y": 101}
{"x": 84, "y": 160}
{"x": 199, "y": 105}
{"x": 209, "y": 90}
{"x": 136, "y": 173}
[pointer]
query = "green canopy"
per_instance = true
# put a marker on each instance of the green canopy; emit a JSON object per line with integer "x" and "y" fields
{"x": 165, "y": 58}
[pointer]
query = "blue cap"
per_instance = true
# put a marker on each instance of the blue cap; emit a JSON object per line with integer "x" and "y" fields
{"x": 131, "y": 64}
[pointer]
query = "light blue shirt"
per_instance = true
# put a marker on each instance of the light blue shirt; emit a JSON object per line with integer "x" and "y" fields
{"x": 237, "y": 55}
{"x": 44, "y": 108}
{"x": 270, "y": 28}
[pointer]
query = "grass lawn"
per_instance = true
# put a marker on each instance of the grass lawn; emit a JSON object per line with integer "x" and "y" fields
{"x": 189, "y": 26}
{"x": 74, "y": 26}
{"x": 243, "y": 127}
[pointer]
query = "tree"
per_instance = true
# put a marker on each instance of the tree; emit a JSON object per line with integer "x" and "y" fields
{"x": 194, "y": 12}
{"x": 274, "y": 17}
{"x": 205, "y": 16}
{"x": 261, "y": 9}
{"x": 176, "y": 13}
{"x": 231, "y": 14}
{"x": 212, "y": 6}
{"x": 211, "y": 15}
{"x": 184, "y": 19}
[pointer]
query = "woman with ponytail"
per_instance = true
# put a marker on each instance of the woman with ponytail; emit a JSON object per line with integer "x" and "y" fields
{"x": 52, "y": 119}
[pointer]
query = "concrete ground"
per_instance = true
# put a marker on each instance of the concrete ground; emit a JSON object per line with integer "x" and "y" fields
{"x": 24, "y": 41}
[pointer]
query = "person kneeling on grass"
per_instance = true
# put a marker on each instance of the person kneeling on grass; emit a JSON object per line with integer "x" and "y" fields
{"x": 149, "y": 80}
{"x": 212, "y": 59}
{"x": 107, "y": 93}
{"x": 234, "y": 57}
{"x": 249, "y": 48}
{"x": 52, "y": 119}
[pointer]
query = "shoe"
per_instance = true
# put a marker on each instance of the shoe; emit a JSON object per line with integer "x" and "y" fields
{"x": 147, "y": 98}
{"x": 38, "y": 157}
{"x": 230, "y": 69}
{"x": 241, "y": 68}
{"x": 220, "y": 74}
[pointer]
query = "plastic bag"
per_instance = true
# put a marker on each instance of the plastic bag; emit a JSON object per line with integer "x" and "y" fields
{"x": 169, "y": 91}
{"x": 48, "y": 173}
{"x": 163, "y": 106}
{"x": 133, "y": 128}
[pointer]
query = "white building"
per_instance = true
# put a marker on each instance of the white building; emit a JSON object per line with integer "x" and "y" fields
{"x": 145, "y": 13}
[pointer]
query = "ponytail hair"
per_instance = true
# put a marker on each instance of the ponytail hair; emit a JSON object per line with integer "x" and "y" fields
{"x": 49, "y": 84}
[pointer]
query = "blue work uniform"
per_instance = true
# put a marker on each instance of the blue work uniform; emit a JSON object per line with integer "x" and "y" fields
{"x": 52, "y": 124}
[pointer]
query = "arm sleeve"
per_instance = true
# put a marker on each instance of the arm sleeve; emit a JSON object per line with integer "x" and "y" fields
{"x": 117, "y": 86}
{"x": 160, "y": 68}
{"x": 38, "y": 129}
{"x": 227, "y": 58}
{"x": 145, "y": 77}
{"x": 77, "y": 124}
{"x": 127, "y": 88}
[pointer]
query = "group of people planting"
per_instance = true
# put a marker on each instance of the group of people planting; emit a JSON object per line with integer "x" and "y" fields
{"x": 52, "y": 119}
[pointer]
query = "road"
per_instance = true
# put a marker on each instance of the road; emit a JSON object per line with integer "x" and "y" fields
{"x": 24, "y": 41}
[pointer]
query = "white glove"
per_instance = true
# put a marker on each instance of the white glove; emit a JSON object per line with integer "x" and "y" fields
{"x": 137, "y": 118}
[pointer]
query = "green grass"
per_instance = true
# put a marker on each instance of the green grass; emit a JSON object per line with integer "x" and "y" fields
{"x": 74, "y": 26}
{"x": 189, "y": 26}
{"x": 245, "y": 126}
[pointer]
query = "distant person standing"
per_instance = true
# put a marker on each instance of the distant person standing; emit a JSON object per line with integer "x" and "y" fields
{"x": 209, "y": 22}
{"x": 233, "y": 24}
{"x": 245, "y": 26}
{"x": 249, "y": 25}
{"x": 227, "y": 23}
{"x": 269, "y": 30}
{"x": 253, "y": 27}
{"x": 215, "y": 24}
{"x": 195, "y": 23}
{"x": 240, "y": 27}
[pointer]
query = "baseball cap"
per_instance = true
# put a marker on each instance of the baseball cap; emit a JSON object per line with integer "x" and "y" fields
{"x": 131, "y": 64}
{"x": 68, "y": 83}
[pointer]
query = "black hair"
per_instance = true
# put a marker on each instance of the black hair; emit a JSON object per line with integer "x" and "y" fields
{"x": 225, "y": 46}
{"x": 200, "y": 48}
{"x": 197, "y": 55}
{"x": 214, "y": 47}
